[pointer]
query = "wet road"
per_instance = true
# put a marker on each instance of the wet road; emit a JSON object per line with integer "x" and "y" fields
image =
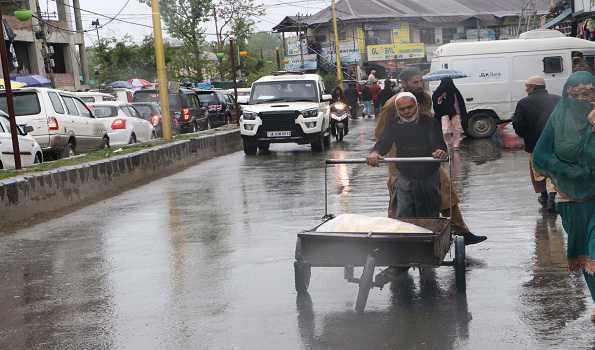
{"x": 203, "y": 260}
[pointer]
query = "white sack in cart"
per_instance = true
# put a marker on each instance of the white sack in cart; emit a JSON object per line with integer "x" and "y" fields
{"x": 363, "y": 223}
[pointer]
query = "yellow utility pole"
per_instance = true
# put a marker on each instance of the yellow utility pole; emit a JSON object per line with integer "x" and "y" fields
{"x": 161, "y": 72}
{"x": 337, "y": 45}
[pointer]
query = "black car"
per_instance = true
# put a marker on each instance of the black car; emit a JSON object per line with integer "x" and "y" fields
{"x": 151, "y": 111}
{"x": 184, "y": 108}
{"x": 218, "y": 104}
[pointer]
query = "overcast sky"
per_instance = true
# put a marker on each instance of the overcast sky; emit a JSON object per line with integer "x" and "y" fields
{"x": 141, "y": 13}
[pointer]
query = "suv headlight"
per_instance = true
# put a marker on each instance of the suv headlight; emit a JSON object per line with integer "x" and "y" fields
{"x": 310, "y": 113}
{"x": 249, "y": 115}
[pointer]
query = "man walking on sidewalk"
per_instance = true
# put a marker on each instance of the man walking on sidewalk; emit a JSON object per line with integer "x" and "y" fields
{"x": 530, "y": 117}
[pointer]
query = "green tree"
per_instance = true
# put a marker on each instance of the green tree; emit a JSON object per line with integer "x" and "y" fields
{"x": 184, "y": 20}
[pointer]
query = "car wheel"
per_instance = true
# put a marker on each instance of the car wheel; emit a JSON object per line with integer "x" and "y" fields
{"x": 318, "y": 145}
{"x": 105, "y": 143}
{"x": 154, "y": 134}
{"x": 38, "y": 158}
{"x": 132, "y": 139}
{"x": 195, "y": 127}
{"x": 481, "y": 125}
{"x": 250, "y": 148}
{"x": 1, "y": 166}
{"x": 69, "y": 150}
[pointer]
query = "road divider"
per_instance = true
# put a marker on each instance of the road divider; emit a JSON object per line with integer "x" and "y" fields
{"x": 32, "y": 198}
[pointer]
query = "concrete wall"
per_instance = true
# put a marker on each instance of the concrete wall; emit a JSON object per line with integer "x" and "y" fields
{"x": 31, "y": 199}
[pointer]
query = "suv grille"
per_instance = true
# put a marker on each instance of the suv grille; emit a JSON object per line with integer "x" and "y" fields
{"x": 278, "y": 121}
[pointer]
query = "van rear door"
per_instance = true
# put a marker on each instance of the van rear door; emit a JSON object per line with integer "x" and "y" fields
{"x": 30, "y": 110}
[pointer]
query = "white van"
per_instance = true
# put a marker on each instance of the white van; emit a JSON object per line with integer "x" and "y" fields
{"x": 497, "y": 70}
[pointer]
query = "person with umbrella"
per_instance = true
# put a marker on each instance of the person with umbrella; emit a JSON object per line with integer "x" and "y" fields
{"x": 449, "y": 107}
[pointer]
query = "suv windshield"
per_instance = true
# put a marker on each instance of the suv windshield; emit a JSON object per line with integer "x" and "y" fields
{"x": 284, "y": 91}
{"x": 25, "y": 103}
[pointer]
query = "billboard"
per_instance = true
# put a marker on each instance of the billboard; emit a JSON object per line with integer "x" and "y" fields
{"x": 396, "y": 51}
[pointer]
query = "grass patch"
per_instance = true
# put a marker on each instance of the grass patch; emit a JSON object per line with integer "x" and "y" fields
{"x": 101, "y": 154}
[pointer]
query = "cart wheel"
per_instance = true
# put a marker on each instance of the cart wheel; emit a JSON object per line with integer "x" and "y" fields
{"x": 302, "y": 276}
{"x": 366, "y": 283}
{"x": 460, "y": 264}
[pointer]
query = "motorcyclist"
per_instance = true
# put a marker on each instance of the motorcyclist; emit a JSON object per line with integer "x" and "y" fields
{"x": 339, "y": 97}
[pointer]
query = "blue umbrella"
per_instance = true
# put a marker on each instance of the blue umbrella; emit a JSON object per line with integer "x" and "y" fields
{"x": 445, "y": 73}
{"x": 121, "y": 84}
{"x": 33, "y": 80}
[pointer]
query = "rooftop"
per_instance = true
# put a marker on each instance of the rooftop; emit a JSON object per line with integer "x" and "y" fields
{"x": 433, "y": 11}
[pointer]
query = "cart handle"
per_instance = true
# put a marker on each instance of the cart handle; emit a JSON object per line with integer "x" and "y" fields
{"x": 387, "y": 160}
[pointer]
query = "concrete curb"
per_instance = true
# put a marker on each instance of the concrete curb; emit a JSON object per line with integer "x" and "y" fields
{"x": 29, "y": 199}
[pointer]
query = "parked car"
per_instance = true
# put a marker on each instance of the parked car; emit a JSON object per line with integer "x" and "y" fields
{"x": 243, "y": 95}
{"x": 218, "y": 105}
{"x": 284, "y": 108}
{"x": 94, "y": 96}
{"x": 29, "y": 148}
{"x": 151, "y": 112}
{"x": 184, "y": 108}
{"x": 62, "y": 124}
{"x": 125, "y": 125}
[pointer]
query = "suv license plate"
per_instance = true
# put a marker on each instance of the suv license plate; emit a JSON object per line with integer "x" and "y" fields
{"x": 278, "y": 133}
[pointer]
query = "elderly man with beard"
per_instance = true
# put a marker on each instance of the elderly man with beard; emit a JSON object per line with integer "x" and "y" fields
{"x": 415, "y": 134}
{"x": 412, "y": 81}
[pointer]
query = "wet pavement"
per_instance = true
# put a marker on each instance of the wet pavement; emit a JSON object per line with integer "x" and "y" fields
{"x": 204, "y": 260}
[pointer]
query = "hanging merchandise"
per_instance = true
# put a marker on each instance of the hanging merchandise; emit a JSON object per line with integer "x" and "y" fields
{"x": 9, "y": 36}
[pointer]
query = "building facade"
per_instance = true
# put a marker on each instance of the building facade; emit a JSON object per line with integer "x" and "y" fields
{"x": 387, "y": 37}
{"x": 64, "y": 38}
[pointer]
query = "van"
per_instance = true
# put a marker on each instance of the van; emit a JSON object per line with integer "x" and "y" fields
{"x": 496, "y": 72}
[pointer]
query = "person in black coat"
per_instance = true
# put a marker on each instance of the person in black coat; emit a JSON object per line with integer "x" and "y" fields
{"x": 449, "y": 107}
{"x": 385, "y": 94}
{"x": 530, "y": 117}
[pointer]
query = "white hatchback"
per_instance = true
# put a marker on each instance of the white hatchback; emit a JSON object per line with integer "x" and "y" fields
{"x": 123, "y": 122}
{"x": 29, "y": 148}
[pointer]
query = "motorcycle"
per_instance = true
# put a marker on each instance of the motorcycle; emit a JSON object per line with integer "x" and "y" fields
{"x": 339, "y": 120}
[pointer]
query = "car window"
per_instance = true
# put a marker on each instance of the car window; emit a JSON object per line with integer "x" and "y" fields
{"x": 132, "y": 112}
{"x": 208, "y": 99}
{"x": 83, "y": 109}
{"x": 105, "y": 111}
{"x": 26, "y": 103}
{"x": 56, "y": 102}
{"x": 70, "y": 106}
{"x": 126, "y": 111}
{"x": 145, "y": 111}
{"x": 146, "y": 96}
{"x": 87, "y": 99}
{"x": 191, "y": 101}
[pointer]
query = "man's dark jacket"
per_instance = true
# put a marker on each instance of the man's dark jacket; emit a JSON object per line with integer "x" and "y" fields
{"x": 531, "y": 115}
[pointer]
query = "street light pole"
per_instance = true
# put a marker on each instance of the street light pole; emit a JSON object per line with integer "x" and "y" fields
{"x": 232, "y": 57}
{"x": 337, "y": 45}
{"x": 161, "y": 71}
{"x": 9, "y": 100}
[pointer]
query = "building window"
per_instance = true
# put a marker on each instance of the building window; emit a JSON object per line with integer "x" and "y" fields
{"x": 379, "y": 37}
{"x": 320, "y": 38}
{"x": 427, "y": 35}
{"x": 342, "y": 36}
{"x": 449, "y": 34}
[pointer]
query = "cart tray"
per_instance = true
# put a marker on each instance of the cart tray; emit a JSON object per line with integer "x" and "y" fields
{"x": 327, "y": 249}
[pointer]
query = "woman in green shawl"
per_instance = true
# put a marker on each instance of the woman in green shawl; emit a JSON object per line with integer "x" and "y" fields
{"x": 565, "y": 153}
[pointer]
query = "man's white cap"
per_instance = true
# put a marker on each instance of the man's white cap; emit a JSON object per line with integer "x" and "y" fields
{"x": 535, "y": 80}
{"x": 401, "y": 95}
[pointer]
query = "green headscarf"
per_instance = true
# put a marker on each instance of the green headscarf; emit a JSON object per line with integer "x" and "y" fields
{"x": 565, "y": 151}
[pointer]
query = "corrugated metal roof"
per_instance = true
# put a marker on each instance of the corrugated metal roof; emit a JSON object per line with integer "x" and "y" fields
{"x": 435, "y": 11}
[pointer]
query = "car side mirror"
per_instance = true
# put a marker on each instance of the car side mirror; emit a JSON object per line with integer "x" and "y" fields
{"x": 327, "y": 98}
{"x": 28, "y": 129}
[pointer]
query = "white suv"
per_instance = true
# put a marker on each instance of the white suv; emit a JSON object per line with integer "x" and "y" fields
{"x": 284, "y": 108}
{"x": 62, "y": 123}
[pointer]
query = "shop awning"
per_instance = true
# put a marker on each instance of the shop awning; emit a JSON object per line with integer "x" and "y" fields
{"x": 562, "y": 16}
